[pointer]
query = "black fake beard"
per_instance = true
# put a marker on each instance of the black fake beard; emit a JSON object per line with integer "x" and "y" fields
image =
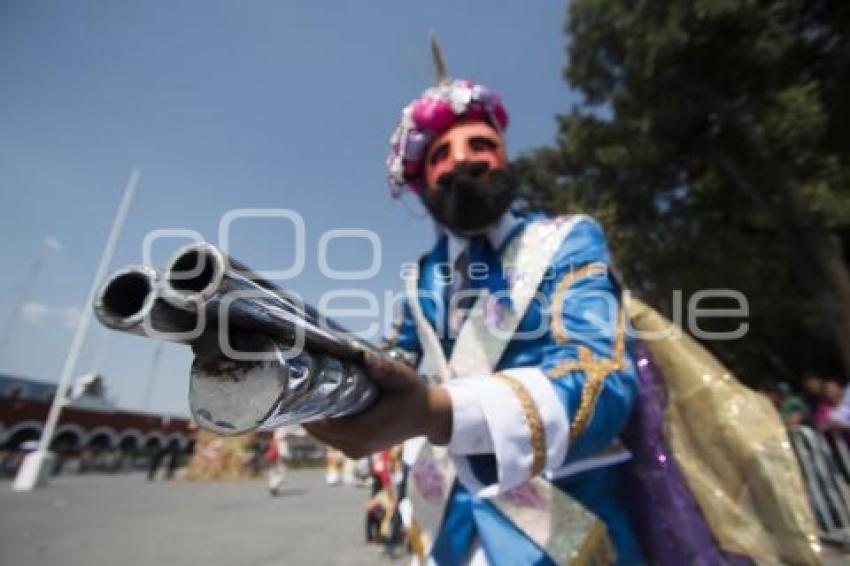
{"x": 470, "y": 199}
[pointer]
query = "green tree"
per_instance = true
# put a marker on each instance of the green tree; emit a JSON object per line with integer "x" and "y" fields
{"x": 712, "y": 142}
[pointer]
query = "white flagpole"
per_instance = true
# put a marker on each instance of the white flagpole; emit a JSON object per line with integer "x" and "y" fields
{"x": 32, "y": 472}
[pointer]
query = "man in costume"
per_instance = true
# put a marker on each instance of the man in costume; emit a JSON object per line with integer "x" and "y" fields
{"x": 552, "y": 403}
{"x": 528, "y": 383}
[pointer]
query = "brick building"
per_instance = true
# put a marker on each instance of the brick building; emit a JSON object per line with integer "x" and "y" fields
{"x": 91, "y": 424}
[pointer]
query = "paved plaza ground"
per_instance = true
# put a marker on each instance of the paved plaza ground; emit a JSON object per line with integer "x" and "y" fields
{"x": 122, "y": 520}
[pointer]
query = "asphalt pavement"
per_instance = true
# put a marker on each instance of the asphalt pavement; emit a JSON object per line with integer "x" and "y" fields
{"x": 123, "y": 520}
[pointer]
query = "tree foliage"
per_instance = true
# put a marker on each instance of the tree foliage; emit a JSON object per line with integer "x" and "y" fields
{"x": 712, "y": 142}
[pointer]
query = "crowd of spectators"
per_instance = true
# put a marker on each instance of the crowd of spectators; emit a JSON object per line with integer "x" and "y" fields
{"x": 818, "y": 421}
{"x": 821, "y": 403}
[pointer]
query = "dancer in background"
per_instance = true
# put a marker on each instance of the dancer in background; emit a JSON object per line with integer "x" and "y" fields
{"x": 277, "y": 455}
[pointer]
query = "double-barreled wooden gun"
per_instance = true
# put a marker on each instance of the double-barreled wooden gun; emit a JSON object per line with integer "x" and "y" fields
{"x": 265, "y": 359}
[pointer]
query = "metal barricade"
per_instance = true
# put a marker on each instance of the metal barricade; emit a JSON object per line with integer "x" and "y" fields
{"x": 829, "y": 493}
{"x": 840, "y": 452}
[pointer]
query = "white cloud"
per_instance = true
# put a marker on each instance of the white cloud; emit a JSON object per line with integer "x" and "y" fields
{"x": 53, "y": 243}
{"x": 34, "y": 312}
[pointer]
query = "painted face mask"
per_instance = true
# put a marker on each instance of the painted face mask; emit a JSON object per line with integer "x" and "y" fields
{"x": 430, "y": 115}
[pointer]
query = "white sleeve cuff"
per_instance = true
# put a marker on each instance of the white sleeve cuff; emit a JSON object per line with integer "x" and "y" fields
{"x": 470, "y": 433}
{"x": 489, "y": 417}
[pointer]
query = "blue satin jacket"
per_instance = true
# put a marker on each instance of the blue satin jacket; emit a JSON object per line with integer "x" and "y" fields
{"x": 577, "y": 319}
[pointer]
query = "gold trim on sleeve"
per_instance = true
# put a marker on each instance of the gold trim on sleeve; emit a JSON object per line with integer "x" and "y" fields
{"x": 595, "y": 371}
{"x": 559, "y": 329}
{"x": 532, "y": 419}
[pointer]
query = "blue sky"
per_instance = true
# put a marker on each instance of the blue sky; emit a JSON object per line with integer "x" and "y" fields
{"x": 226, "y": 105}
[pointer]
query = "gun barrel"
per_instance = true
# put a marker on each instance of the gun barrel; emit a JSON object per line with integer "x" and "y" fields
{"x": 130, "y": 301}
{"x": 231, "y": 397}
{"x": 205, "y": 295}
{"x": 201, "y": 276}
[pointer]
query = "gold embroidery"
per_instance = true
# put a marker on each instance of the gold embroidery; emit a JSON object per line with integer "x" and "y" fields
{"x": 532, "y": 419}
{"x": 596, "y": 548}
{"x": 416, "y": 538}
{"x": 559, "y": 330}
{"x": 595, "y": 371}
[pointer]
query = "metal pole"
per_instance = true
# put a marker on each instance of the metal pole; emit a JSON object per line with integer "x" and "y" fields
{"x": 29, "y": 476}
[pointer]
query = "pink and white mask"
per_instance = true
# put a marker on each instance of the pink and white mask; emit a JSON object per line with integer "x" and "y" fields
{"x": 433, "y": 114}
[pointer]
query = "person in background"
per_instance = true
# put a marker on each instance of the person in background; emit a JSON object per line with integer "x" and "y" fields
{"x": 841, "y": 413}
{"x": 794, "y": 410}
{"x": 277, "y": 455}
{"x": 155, "y": 457}
{"x": 831, "y": 419}
{"x": 383, "y": 521}
{"x": 347, "y": 466}
{"x": 824, "y": 420}
{"x": 363, "y": 472}
{"x": 174, "y": 457}
{"x": 380, "y": 505}
{"x": 812, "y": 393}
{"x": 333, "y": 463}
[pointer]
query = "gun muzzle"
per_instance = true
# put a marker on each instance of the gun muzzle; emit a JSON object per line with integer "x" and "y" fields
{"x": 284, "y": 367}
{"x": 201, "y": 277}
{"x": 130, "y": 301}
